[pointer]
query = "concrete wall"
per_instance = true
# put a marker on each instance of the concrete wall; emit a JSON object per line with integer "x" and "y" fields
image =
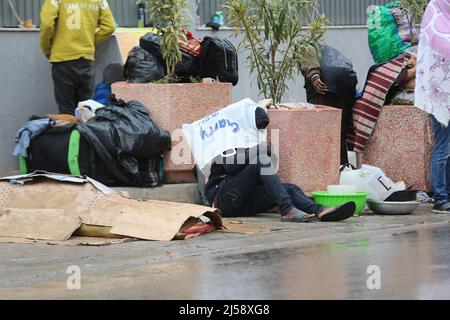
{"x": 338, "y": 12}
{"x": 352, "y": 41}
{"x": 26, "y": 87}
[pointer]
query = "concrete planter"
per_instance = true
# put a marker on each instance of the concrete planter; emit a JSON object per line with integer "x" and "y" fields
{"x": 309, "y": 148}
{"x": 172, "y": 105}
{"x": 402, "y": 145}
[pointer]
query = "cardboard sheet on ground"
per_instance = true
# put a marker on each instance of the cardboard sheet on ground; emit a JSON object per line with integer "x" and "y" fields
{"x": 71, "y": 242}
{"x": 57, "y": 202}
{"x": 239, "y": 226}
{"x": 40, "y": 224}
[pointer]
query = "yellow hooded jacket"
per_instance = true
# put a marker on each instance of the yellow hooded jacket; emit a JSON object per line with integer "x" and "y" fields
{"x": 70, "y": 29}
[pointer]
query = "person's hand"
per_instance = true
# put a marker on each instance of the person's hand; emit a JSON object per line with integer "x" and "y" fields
{"x": 320, "y": 87}
{"x": 412, "y": 62}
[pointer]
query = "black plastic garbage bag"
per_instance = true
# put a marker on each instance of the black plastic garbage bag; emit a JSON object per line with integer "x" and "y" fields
{"x": 337, "y": 73}
{"x": 143, "y": 67}
{"x": 125, "y": 136}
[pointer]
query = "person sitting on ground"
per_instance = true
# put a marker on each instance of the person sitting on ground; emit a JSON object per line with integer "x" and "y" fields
{"x": 70, "y": 30}
{"x": 252, "y": 186}
{"x": 331, "y": 81}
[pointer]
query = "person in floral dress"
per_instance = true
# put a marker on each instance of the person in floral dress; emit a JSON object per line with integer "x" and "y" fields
{"x": 432, "y": 93}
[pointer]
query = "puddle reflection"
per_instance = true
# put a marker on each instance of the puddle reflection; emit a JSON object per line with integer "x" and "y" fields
{"x": 413, "y": 264}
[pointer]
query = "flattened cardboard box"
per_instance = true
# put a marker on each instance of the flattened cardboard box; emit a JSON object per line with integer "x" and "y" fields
{"x": 43, "y": 224}
{"x": 34, "y": 206}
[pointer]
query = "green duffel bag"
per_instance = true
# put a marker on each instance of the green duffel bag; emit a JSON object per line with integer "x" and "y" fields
{"x": 385, "y": 41}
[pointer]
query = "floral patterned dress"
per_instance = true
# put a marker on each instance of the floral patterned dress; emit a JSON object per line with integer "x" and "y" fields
{"x": 433, "y": 62}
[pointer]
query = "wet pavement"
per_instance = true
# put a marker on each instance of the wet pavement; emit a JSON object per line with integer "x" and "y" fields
{"x": 293, "y": 261}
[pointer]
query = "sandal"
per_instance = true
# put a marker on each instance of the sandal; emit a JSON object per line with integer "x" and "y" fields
{"x": 342, "y": 212}
{"x": 298, "y": 216}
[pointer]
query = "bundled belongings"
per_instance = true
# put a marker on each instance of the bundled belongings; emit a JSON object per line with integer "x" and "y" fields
{"x": 112, "y": 73}
{"x": 190, "y": 50}
{"x": 121, "y": 145}
{"x": 86, "y": 110}
{"x": 219, "y": 60}
{"x": 208, "y": 58}
{"x": 389, "y": 31}
{"x": 62, "y": 149}
{"x": 143, "y": 67}
{"x": 187, "y": 68}
{"x": 189, "y": 44}
{"x": 28, "y": 132}
{"x": 58, "y": 208}
{"x": 125, "y": 138}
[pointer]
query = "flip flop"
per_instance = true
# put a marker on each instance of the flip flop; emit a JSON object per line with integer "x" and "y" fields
{"x": 298, "y": 216}
{"x": 342, "y": 212}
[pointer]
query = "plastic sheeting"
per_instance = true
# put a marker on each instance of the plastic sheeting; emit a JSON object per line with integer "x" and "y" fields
{"x": 143, "y": 67}
{"x": 229, "y": 128}
{"x": 124, "y": 136}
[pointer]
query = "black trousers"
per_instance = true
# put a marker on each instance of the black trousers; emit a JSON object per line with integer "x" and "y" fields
{"x": 73, "y": 82}
{"x": 252, "y": 191}
{"x": 333, "y": 100}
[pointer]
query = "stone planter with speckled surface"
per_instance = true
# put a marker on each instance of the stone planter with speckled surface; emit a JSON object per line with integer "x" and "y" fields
{"x": 402, "y": 145}
{"x": 309, "y": 148}
{"x": 172, "y": 105}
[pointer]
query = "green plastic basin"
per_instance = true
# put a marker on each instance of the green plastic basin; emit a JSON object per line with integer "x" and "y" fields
{"x": 326, "y": 199}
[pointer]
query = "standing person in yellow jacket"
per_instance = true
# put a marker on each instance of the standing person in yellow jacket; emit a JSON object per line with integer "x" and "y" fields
{"x": 70, "y": 30}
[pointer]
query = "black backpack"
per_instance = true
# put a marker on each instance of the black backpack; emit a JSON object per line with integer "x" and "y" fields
{"x": 219, "y": 60}
{"x": 186, "y": 69}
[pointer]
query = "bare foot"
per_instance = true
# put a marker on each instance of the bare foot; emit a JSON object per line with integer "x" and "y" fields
{"x": 295, "y": 215}
{"x": 290, "y": 215}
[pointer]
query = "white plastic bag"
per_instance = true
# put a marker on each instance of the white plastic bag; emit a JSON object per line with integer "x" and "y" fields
{"x": 86, "y": 110}
{"x": 369, "y": 179}
{"x": 227, "y": 129}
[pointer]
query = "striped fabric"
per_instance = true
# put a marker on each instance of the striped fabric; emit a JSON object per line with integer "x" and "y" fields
{"x": 368, "y": 107}
{"x": 190, "y": 45}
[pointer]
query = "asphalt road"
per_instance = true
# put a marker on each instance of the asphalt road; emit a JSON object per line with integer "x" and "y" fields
{"x": 380, "y": 257}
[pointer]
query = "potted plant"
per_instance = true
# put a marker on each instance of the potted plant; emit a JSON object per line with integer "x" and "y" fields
{"x": 172, "y": 103}
{"x": 276, "y": 35}
{"x": 169, "y": 16}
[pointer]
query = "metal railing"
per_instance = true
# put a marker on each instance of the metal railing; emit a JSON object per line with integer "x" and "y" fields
{"x": 339, "y": 12}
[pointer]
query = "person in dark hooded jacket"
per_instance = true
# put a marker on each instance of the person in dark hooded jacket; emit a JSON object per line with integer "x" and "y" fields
{"x": 246, "y": 183}
{"x": 331, "y": 81}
